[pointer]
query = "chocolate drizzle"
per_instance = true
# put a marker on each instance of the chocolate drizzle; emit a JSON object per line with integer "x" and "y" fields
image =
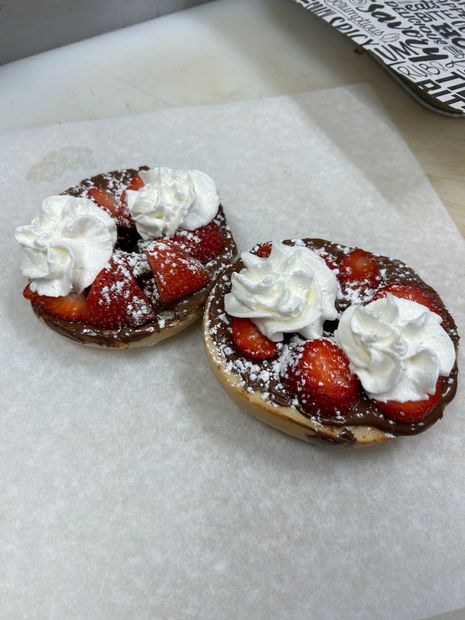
{"x": 264, "y": 377}
{"x": 129, "y": 242}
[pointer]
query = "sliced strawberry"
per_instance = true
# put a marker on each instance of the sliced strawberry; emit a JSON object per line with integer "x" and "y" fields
{"x": 28, "y": 294}
{"x": 116, "y": 299}
{"x": 250, "y": 341}
{"x": 321, "y": 379}
{"x": 105, "y": 200}
{"x": 329, "y": 262}
{"x": 136, "y": 183}
{"x": 203, "y": 243}
{"x": 360, "y": 268}
{"x": 263, "y": 249}
{"x": 410, "y": 292}
{"x": 411, "y": 410}
{"x": 71, "y": 308}
{"x": 176, "y": 273}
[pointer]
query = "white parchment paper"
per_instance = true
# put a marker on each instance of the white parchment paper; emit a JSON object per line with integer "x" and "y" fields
{"x": 132, "y": 487}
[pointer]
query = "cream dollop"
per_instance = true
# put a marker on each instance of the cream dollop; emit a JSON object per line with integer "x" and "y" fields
{"x": 172, "y": 199}
{"x": 292, "y": 290}
{"x": 396, "y": 347}
{"x": 66, "y": 246}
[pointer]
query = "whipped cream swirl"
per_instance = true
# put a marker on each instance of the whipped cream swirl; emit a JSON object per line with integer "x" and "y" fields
{"x": 396, "y": 347}
{"x": 66, "y": 246}
{"x": 292, "y": 290}
{"x": 172, "y": 199}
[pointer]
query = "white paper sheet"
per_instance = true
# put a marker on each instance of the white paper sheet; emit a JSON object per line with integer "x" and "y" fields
{"x": 132, "y": 487}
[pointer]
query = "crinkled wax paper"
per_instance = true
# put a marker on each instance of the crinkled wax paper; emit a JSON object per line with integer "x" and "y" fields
{"x": 132, "y": 487}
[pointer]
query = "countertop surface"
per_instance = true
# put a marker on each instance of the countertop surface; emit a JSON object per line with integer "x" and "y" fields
{"x": 227, "y": 50}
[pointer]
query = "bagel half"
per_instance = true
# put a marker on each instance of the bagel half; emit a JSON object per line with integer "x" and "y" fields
{"x": 272, "y": 404}
{"x": 169, "y": 319}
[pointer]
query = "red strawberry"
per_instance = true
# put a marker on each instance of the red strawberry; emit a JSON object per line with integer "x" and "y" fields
{"x": 135, "y": 184}
{"x": 250, "y": 341}
{"x": 412, "y": 410}
{"x": 28, "y": 294}
{"x": 105, "y": 200}
{"x": 360, "y": 268}
{"x": 203, "y": 243}
{"x": 321, "y": 378}
{"x": 176, "y": 273}
{"x": 116, "y": 299}
{"x": 329, "y": 262}
{"x": 70, "y": 308}
{"x": 408, "y": 291}
{"x": 263, "y": 249}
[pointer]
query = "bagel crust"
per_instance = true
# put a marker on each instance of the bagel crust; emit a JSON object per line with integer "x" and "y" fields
{"x": 269, "y": 401}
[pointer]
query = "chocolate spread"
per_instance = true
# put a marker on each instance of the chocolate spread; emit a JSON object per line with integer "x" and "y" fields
{"x": 130, "y": 243}
{"x": 264, "y": 376}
